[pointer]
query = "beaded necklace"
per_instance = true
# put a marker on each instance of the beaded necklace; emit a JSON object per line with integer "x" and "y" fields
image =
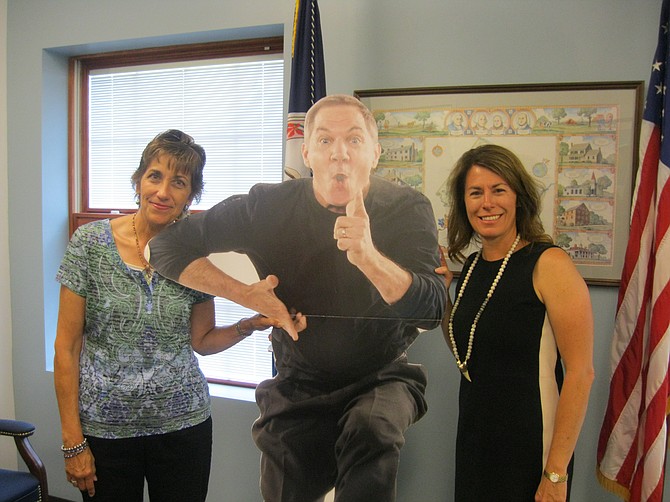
{"x": 463, "y": 365}
{"x": 148, "y": 269}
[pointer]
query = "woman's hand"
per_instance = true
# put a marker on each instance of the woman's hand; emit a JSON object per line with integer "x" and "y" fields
{"x": 80, "y": 471}
{"x": 443, "y": 269}
{"x": 299, "y": 321}
{"x": 257, "y": 322}
{"x": 551, "y": 492}
{"x": 448, "y": 274}
{"x": 260, "y": 322}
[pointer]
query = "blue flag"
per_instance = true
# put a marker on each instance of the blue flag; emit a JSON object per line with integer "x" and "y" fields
{"x": 308, "y": 82}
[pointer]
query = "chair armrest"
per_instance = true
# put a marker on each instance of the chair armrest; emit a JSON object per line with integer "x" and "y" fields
{"x": 16, "y": 428}
{"x": 20, "y": 431}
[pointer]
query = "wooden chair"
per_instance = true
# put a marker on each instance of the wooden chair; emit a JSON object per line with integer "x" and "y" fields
{"x": 18, "y": 485}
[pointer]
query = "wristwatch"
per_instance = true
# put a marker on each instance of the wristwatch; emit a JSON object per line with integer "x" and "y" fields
{"x": 555, "y": 477}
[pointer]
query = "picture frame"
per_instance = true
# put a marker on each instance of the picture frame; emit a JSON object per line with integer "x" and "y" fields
{"x": 580, "y": 141}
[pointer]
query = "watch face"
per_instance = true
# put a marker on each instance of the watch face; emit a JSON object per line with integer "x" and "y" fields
{"x": 555, "y": 477}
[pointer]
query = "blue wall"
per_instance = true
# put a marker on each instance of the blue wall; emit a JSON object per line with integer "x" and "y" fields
{"x": 369, "y": 44}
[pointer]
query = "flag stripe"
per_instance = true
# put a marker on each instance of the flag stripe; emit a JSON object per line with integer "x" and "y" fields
{"x": 663, "y": 220}
{"x": 641, "y": 204}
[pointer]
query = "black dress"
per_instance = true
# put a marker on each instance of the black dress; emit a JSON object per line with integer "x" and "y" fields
{"x": 506, "y": 414}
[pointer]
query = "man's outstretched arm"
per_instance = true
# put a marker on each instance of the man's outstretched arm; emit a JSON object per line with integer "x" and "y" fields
{"x": 180, "y": 253}
{"x": 203, "y": 275}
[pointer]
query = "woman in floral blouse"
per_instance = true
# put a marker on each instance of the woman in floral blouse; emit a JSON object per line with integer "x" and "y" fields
{"x": 133, "y": 402}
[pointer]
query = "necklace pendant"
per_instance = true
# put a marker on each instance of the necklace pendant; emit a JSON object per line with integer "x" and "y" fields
{"x": 463, "y": 367}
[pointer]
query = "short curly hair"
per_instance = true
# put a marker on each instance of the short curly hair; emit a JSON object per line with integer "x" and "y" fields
{"x": 183, "y": 154}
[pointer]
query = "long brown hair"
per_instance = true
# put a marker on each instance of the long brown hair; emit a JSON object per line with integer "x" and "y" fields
{"x": 507, "y": 165}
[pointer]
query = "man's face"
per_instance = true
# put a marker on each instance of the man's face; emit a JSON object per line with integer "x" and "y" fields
{"x": 341, "y": 153}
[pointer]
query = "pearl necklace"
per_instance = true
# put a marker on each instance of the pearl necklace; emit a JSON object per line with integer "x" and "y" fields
{"x": 463, "y": 365}
{"x": 147, "y": 268}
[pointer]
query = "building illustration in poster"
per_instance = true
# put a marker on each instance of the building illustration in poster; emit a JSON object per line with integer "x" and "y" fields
{"x": 570, "y": 150}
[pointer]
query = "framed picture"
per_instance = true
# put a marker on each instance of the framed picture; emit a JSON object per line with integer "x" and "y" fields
{"x": 578, "y": 140}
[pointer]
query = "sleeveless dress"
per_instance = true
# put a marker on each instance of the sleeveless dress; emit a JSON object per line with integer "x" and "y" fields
{"x": 506, "y": 414}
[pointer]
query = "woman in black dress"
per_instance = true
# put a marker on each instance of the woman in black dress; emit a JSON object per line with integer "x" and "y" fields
{"x": 521, "y": 331}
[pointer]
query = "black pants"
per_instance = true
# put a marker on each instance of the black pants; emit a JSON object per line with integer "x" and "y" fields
{"x": 349, "y": 438}
{"x": 176, "y": 466}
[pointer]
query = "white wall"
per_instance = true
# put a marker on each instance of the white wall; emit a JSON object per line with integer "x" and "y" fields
{"x": 7, "y": 448}
{"x": 369, "y": 44}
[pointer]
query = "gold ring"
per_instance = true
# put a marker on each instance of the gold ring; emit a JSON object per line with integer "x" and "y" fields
{"x": 74, "y": 482}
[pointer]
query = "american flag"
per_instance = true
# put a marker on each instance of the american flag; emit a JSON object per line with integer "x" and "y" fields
{"x": 308, "y": 82}
{"x": 632, "y": 446}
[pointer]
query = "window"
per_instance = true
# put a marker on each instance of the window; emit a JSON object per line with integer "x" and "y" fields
{"x": 228, "y": 96}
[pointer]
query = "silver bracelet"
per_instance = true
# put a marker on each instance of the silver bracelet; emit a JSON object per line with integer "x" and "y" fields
{"x": 75, "y": 450}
